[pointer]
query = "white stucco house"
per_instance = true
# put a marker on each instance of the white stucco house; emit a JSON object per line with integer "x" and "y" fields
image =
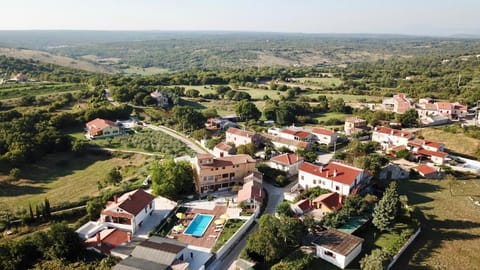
{"x": 241, "y": 137}
{"x": 389, "y": 137}
{"x": 337, "y": 177}
{"x": 336, "y": 247}
{"x": 325, "y": 136}
{"x": 287, "y": 162}
{"x": 129, "y": 211}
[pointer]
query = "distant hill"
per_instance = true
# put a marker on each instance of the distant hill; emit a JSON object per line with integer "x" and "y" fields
{"x": 56, "y": 59}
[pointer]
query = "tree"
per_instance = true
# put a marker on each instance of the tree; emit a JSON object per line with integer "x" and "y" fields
{"x": 248, "y": 149}
{"x": 188, "y": 118}
{"x": 308, "y": 155}
{"x": 284, "y": 209}
{"x": 113, "y": 177}
{"x": 385, "y": 211}
{"x": 94, "y": 207}
{"x": 170, "y": 179}
{"x": 15, "y": 173}
{"x": 265, "y": 241}
{"x": 409, "y": 118}
{"x": 377, "y": 260}
{"x": 66, "y": 244}
{"x": 210, "y": 113}
{"x": 247, "y": 110}
{"x": 46, "y": 208}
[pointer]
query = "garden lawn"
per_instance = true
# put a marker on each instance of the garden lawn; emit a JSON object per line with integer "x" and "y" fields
{"x": 230, "y": 228}
{"x": 63, "y": 177}
{"x": 450, "y": 237}
{"x": 324, "y": 82}
{"x": 455, "y": 143}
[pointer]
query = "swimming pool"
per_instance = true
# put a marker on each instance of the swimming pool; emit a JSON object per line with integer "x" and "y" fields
{"x": 199, "y": 225}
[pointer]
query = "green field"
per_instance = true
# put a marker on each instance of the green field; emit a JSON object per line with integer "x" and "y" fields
{"x": 332, "y": 115}
{"x": 63, "y": 177}
{"x": 450, "y": 237}
{"x": 21, "y": 90}
{"x": 323, "y": 82}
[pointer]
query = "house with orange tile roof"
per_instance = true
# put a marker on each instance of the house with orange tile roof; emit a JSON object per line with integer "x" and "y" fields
{"x": 100, "y": 128}
{"x": 223, "y": 149}
{"x": 390, "y": 138}
{"x": 354, "y": 125}
{"x": 241, "y": 137}
{"x": 287, "y": 162}
{"x": 220, "y": 173}
{"x": 297, "y": 135}
{"x": 429, "y": 108}
{"x": 106, "y": 240}
{"x": 325, "y": 136}
{"x": 435, "y": 157}
{"x": 429, "y": 172}
{"x": 292, "y": 145}
{"x": 399, "y": 103}
{"x": 162, "y": 100}
{"x": 337, "y": 177}
{"x": 416, "y": 144}
{"x": 129, "y": 211}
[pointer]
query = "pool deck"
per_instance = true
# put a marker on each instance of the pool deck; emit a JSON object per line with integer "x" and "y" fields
{"x": 205, "y": 241}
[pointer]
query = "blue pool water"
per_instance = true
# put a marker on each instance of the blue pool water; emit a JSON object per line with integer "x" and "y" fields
{"x": 199, "y": 225}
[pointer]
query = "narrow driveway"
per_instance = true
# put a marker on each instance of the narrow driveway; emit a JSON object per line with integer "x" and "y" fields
{"x": 275, "y": 196}
{"x": 182, "y": 138}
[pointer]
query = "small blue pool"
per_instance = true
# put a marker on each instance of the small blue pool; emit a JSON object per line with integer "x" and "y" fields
{"x": 199, "y": 225}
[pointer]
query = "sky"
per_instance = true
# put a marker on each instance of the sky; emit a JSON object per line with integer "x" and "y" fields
{"x": 416, "y": 17}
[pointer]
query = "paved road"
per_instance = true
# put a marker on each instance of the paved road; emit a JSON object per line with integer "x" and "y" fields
{"x": 275, "y": 196}
{"x": 182, "y": 138}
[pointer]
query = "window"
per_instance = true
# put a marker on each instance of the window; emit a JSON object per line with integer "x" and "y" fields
{"x": 328, "y": 253}
{"x": 337, "y": 188}
{"x": 301, "y": 177}
{"x": 314, "y": 182}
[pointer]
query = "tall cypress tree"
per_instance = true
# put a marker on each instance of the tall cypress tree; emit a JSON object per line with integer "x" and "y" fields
{"x": 386, "y": 210}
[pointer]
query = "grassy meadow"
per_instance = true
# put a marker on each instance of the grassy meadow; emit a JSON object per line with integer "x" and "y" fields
{"x": 63, "y": 177}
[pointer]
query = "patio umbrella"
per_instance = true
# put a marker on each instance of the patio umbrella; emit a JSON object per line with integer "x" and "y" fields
{"x": 180, "y": 215}
{"x": 219, "y": 221}
{"x": 178, "y": 227}
{"x": 225, "y": 216}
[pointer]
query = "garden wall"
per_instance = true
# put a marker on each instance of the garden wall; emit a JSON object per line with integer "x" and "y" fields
{"x": 405, "y": 246}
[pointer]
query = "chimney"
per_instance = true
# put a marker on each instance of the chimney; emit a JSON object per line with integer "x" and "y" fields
{"x": 221, "y": 154}
{"x": 129, "y": 237}
{"x": 129, "y": 196}
{"x": 99, "y": 241}
{"x": 115, "y": 198}
{"x": 321, "y": 168}
{"x": 334, "y": 172}
{"x": 391, "y": 132}
{"x": 340, "y": 199}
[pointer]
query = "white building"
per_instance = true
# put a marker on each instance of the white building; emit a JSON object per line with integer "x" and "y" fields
{"x": 389, "y": 137}
{"x": 336, "y": 177}
{"x": 336, "y": 247}
{"x": 241, "y": 137}
{"x": 325, "y": 136}
{"x": 288, "y": 163}
{"x": 298, "y": 135}
{"x": 128, "y": 211}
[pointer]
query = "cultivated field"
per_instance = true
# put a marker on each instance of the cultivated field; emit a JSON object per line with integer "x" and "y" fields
{"x": 451, "y": 228}
{"x": 9, "y": 91}
{"x": 63, "y": 177}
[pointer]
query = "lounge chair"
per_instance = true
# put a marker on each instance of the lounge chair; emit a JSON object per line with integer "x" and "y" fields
{"x": 212, "y": 236}
{"x": 218, "y": 230}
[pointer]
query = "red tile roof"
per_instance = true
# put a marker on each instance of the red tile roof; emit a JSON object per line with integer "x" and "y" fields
{"x": 224, "y": 147}
{"x": 132, "y": 202}
{"x": 420, "y": 143}
{"x": 299, "y": 133}
{"x": 227, "y": 161}
{"x": 433, "y": 144}
{"x": 425, "y": 169}
{"x": 287, "y": 159}
{"x": 240, "y": 132}
{"x": 304, "y": 205}
{"x": 355, "y": 120}
{"x": 444, "y": 105}
{"x": 323, "y": 131}
{"x": 109, "y": 239}
{"x": 100, "y": 123}
{"x": 334, "y": 171}
{"x": 432, "y": 153}
{"x": 330, "y": 200}
{"x": 394, "y": 132}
